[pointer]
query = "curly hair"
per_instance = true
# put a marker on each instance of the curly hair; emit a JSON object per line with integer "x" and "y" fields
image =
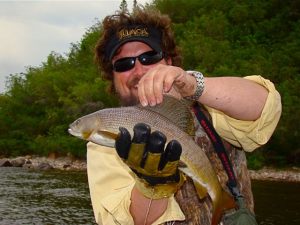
{"x": 145, "y": 16}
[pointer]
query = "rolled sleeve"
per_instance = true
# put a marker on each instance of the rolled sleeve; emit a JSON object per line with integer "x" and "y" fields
{"x": 250, "y": 135}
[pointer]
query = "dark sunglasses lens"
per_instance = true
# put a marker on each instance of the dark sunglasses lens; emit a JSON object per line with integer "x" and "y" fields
{"x": 149, "y": 58}
{"x": 123, "y": 65}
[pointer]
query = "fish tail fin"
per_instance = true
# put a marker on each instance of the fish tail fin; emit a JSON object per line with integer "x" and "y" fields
{"x": 226, "y": 202}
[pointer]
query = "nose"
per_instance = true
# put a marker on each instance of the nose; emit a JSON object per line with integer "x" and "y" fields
{"x": 139, "y": 69}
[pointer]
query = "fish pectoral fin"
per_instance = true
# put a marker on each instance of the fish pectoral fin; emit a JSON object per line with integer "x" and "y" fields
{"x": 86, "y": 134}
{"x": 107, "y": 134}
{"x": 201, "y": 190}
{"x": 104, "y": 138}
{"x": 225, "y": 203}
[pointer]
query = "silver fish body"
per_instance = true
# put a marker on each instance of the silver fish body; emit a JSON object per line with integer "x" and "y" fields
{"x": 102, "y": 127}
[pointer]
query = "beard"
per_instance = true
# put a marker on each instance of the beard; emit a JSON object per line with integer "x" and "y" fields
{"x": 128, "y": 100}
{"x": 131, "y": 99}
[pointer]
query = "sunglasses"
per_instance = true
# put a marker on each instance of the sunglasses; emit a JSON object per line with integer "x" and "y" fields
{"x": 147, "y": 58}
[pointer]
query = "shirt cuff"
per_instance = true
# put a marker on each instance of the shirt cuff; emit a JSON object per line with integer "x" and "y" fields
{"x": 250, "y": 135}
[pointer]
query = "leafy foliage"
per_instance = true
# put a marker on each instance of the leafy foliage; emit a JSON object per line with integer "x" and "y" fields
{"x": 41, "y": 102}
{"x": 240, "y": 38}
{"x": 217, "y": 37}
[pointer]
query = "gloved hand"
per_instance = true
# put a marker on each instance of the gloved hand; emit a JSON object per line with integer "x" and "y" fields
{"x": 155, "y": 167}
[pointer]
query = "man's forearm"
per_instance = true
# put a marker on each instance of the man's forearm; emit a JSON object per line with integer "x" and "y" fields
{"x": 237, "y": 97}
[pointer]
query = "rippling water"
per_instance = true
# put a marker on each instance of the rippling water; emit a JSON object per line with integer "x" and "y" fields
{"x": 61, "y": 197}
{"x": 34, "y": 197}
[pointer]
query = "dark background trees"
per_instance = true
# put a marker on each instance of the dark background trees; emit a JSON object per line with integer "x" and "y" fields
{"x": 217, "y": 37}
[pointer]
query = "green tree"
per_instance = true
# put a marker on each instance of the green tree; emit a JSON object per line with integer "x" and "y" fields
{"x": 41, "y": 102}
{"x": 134, "y": 4}
{"x": 123, "y": 6}
{"x": 226, "y": 37}
{"x": 217, "y": 37}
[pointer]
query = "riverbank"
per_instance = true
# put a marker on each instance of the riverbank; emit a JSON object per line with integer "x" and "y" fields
{"x": 45, "y": 163}
{"x": 71, "y": 163}
{"x": 272, "y": 174}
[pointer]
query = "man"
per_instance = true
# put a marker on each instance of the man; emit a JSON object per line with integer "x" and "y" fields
{"x": 137, "y": 53}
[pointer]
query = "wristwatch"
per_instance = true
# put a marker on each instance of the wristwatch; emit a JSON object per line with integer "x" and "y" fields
{"x": 200, "y": 85}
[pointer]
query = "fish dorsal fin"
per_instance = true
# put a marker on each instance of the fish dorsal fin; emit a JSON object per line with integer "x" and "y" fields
{"x": 177, "y": 111}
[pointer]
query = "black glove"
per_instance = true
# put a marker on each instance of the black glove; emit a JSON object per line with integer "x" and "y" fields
{"x": 155, "y": 167}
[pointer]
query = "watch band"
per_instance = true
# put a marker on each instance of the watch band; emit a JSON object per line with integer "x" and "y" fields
{"x": 200, "y": 85}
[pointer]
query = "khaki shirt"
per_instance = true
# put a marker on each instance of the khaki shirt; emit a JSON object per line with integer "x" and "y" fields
{"x": 111, "y": 182}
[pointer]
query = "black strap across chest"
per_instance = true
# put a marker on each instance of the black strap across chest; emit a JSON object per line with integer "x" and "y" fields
{"x": 219, "y": 148}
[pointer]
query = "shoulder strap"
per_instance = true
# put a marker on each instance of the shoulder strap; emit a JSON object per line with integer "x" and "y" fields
{"x": 219, "y": 148}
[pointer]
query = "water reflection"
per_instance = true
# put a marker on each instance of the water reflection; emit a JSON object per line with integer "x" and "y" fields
{"x": 33, "y": 197}
{"x": 277, "y": 203}
{"x": 59, "y": 197}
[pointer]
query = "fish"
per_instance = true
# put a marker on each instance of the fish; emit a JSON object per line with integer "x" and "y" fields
{"x": 173, "y": 118}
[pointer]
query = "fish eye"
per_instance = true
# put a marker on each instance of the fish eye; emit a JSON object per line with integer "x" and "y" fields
{"x": 77, "y": 122}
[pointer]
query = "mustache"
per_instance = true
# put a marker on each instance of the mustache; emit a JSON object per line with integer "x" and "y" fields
{"x": 133, "y": 82}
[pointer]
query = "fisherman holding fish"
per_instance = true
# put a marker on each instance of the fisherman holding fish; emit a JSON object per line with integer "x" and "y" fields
{"x": 137, "y": 182}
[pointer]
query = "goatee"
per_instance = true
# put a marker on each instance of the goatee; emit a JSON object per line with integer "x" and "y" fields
{"x": 128, "y": 101}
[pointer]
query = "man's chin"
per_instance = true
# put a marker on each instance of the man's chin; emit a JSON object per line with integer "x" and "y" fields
{"x": 128, "y": 101}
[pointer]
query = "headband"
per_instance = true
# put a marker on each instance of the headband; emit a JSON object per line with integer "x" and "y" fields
{"x": 148, "y": 35}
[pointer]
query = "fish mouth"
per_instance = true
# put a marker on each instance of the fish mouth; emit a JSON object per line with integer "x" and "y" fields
{"x": 74, "y": 133}
{"x": 85, "y": 135}
{"x": 100, "y": 137}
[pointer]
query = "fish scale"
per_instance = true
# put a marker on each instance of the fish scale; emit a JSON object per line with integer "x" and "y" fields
{"x": 103, "y": 127}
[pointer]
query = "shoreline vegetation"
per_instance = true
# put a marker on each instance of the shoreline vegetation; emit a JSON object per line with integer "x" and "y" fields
{"x": 218, "y": 38}
{"x": 69, "y": 163}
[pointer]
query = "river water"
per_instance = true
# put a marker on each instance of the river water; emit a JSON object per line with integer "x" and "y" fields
{"x": 51, "y": 197}
{"x": 61, "y": 197}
